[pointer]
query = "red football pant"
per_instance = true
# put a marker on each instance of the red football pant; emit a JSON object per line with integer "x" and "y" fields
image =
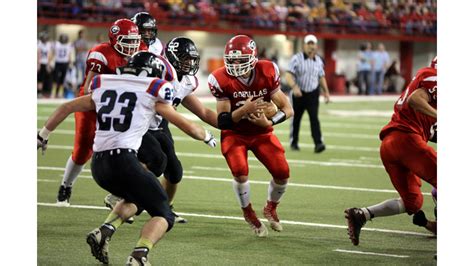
{"x": 84, "y": 137}
{"x": 407, "y": 158}
{"x": 266, "y": 147}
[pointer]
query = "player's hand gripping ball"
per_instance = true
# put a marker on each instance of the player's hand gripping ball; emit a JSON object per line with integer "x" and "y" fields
{"x": 269, "y": 109}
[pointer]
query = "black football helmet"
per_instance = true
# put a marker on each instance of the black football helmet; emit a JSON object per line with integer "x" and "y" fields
{"x": 144, "y": 64}
{"x": 182, "y": 53}
{"x": 63, "y": 38}
{"x": 147, "y": 26}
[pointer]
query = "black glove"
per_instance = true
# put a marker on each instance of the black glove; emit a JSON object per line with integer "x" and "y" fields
{"x": 41, "y": 143}
{"x": 176, "y": 102}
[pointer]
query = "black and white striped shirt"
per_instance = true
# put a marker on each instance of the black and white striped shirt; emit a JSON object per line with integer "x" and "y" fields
{"x": 307, "y": 71}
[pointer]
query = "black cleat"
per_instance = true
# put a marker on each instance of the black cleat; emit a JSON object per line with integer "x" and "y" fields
{"x": 99, "y": 245}
{"x": 64, "y": 194}
{"x": 295, "y": 147}
{"x": 355, "y": 221}
{"x": 319, "y": 148}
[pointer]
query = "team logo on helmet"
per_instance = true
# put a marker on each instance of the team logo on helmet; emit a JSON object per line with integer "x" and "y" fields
{"x": 252, "y": 45}
{"x": 115, "y": 29}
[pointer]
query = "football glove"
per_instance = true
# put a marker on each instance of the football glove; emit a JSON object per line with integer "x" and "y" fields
{"x": 176, "y": 102}
{"x": 41, "y": 143}
{"x": 210, "y": 140}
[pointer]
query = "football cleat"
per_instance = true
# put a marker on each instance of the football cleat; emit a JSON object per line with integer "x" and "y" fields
{"x": 64, "y": 194}
{"x": 132, "y": 261}
{"x": 111, "y": 200}
{"x": 269, "y": 211}
{"x": 251, "y": 218}
{"x": 355, "y": 221}
{"x": 177, "y": 218}
{"x": 99, "y": 245}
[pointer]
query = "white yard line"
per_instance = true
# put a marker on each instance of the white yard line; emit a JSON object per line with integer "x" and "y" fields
{"x": 251, "y": 158}
{"x": 371, "y": 253}
{"x": 218, "y": 179}
{"x": 241, "y": 219}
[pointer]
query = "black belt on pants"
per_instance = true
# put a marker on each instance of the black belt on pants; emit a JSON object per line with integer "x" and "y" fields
{"x": 113, "y": 152}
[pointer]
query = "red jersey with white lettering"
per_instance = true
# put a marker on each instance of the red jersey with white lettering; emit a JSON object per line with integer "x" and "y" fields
{"x": 263, "y": 82}
{"x": 405, "y": 118}
{"x": 104, "y": 59}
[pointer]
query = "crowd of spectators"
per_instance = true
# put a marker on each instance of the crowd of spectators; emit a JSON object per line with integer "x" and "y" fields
{"x": 348, "y": 16}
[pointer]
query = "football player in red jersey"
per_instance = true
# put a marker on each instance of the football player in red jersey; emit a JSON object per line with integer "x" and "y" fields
{"x": 104, "y": 58}
{"x": 243, "y": 88}
{"x": 405, "y": 154}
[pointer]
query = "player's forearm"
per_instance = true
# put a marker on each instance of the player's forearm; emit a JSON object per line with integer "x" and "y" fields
{"x": 61, "y": 113}
{"x": 238, "y": 114}
{"x": 419, "y": 101}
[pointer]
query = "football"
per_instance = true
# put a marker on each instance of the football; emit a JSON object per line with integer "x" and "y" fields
{"x": 270, "y": 110}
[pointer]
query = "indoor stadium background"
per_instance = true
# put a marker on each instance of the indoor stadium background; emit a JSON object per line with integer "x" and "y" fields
{"x": 349, "y": 173}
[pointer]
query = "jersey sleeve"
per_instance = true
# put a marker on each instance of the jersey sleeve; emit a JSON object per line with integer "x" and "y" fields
{"x": 321, "y": 72}
{"x": 161, "y": 90}
{"x": 95, "y": 84}
{"x": 430, "y": 85}
{"x": 292, "y": 65}
{"x": 97, "y": 62}
{"x": 276, "y": 76}
{"x": 215, "y": 88}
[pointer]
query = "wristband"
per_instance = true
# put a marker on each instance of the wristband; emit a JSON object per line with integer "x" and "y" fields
{"x": 279, "y": 117}
{"x": 44, "y": 133}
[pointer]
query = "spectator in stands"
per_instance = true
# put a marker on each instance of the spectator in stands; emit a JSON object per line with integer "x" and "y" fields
{"x": 81, "y": 47}
{"x": 298, "y": 11}
{"x": 381, "y": 63}
{"x": 62, "y": 53}
{"x": 45, "y": 54}
{"x": 364, "y": 66}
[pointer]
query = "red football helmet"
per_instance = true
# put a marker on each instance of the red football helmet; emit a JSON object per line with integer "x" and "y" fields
{"x": 240, "y": 55}
{"x": 434, "y": 62}
{"x": 124, "y": 37}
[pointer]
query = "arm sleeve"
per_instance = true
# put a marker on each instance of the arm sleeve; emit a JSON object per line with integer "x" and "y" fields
{"x": 430, "y": 85}
{"x": 293, "y": 64}
{"x": 216, "y": 89}
{"x": 321, "y": 72}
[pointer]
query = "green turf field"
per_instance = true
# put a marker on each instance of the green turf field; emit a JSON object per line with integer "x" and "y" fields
{"x": 349, "y": 173}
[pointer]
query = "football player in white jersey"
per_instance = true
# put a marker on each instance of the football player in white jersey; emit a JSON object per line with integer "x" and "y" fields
{"x": 157, "y": 150}
{"x": 125, "y": 105}
{"x": 147, "y": 28}
{"x": 45, "y": 55}
{"x": 62, "y": 58}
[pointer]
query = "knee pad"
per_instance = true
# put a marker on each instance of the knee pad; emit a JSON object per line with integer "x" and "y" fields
{"x": 174, "y": 172}
{"x": 81, "y": 156}
{"x": 157, "y": 167}
{"x": 170, "y": 219}
{"x": 281, "y": 173}
{"x": 413, "y": 204}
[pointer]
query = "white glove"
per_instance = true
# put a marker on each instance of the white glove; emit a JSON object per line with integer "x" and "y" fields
{"x": 210, "y": 140}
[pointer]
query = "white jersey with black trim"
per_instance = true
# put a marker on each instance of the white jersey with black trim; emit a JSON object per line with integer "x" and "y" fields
{"x": 45, "y": 51}
{"x": 62, "y": 52}
{"x": 125, "y": 106}
{"x": 156, "y": 47}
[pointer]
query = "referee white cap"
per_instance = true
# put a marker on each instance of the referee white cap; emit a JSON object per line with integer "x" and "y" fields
{"x": 310, "y": 38}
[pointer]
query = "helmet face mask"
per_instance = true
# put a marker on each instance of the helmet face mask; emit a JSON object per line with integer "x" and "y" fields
{"x": 240, "y": 55}
{"x": 183, "y": 55}
{"x": 147, "y": 27}
{"x": 124, "y": 37}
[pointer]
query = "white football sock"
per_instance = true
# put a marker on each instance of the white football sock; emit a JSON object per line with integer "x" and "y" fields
{"x": 275, "y": 191}
{"x": 71, "y": 172}
{"x": 242, "y": 191}
{"x": 386, "y": 208}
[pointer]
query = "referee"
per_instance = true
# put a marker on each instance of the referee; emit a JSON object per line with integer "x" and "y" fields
{"x": 305, "y": 76}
